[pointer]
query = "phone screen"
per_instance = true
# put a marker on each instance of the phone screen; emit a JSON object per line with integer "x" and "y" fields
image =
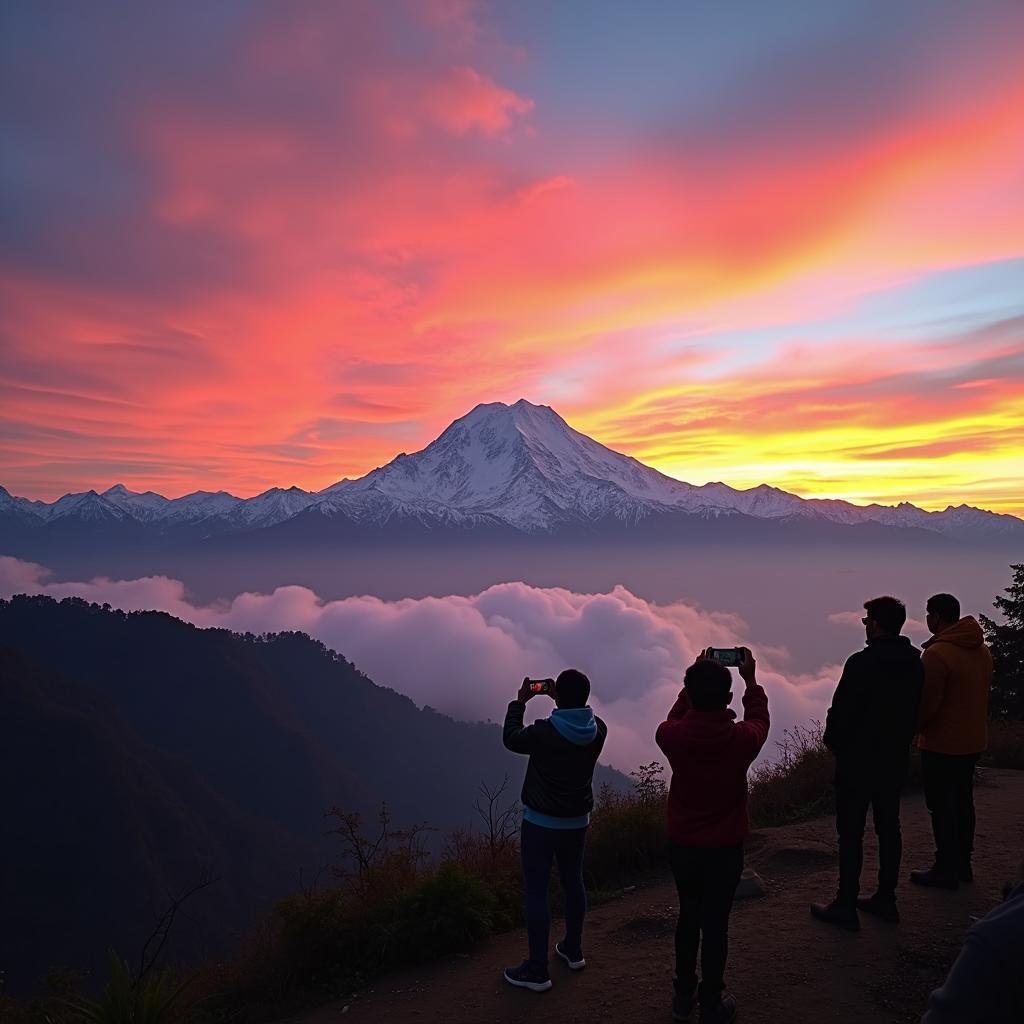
{"x": 729, "y": 656}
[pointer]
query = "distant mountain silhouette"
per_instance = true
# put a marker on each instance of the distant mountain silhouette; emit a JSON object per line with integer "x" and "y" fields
{"x": 140, "y": 754}
{"x": 500, "y": 471}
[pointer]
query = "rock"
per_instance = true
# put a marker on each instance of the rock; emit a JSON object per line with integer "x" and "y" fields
{"x": 751, "y": 885}
{"x": 796, "y": 858}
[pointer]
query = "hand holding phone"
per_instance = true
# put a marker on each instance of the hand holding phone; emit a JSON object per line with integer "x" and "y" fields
{"x": 534, "y": 687}
{"x": 738, "y": 658}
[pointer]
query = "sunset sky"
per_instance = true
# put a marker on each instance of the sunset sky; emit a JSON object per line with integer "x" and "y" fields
{"x": 253, "y": 244}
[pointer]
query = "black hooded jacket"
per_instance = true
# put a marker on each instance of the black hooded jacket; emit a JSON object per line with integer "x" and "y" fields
{"x": 560, "y": 774}
{"x": 874, "y": 709}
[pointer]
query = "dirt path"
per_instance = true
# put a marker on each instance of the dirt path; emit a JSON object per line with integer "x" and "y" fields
{"x": 783, "y": 966}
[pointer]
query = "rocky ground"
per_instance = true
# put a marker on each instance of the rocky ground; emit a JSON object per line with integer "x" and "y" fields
{"x": 783, "y": 965}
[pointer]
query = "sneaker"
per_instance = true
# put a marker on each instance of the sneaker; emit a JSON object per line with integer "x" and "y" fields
{"x": 575, "y": 961}
{"x": 932, "y": 878}
{"x": 525, "y": 976}
{"x": 722, "y": 1012}
{"x": 880, "y": 907}
{"x": 838, "y": 914}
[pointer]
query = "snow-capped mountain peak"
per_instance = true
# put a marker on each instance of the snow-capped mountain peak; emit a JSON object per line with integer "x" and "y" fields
{"x": 525, "y": 465}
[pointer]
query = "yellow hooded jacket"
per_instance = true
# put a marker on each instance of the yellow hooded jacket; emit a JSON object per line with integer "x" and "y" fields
{"x": 957, "y": 678}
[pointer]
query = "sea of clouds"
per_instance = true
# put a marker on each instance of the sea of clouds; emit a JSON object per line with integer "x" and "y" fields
{"x": 465, "y": 656}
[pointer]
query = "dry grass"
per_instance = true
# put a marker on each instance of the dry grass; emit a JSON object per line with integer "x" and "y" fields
{"x": 798, "y": 784}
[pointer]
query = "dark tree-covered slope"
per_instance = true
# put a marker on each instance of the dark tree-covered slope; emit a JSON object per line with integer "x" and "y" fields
{"x": 140, "y": 754}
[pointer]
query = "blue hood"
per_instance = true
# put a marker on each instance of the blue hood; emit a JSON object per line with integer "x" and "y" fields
{"x": 577, "y": 725}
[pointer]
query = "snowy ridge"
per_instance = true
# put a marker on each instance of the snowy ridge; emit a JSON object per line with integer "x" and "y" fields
{"x": 518, "y": 467}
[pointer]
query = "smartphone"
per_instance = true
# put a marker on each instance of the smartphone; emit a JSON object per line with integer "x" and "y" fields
{"x": 541, "y": 685}
{"x": 728, "y": 656}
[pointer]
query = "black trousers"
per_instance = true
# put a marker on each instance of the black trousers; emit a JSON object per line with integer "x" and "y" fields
{"x": 949, "y": 794}
{"x": 538, "y": 845}
{"x": 706, "y": 880}
{"x": 859, "y": 786}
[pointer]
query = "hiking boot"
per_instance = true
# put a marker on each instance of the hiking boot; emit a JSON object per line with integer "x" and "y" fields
{"x": 574, "y": 959}
{"x": 933, "y": 878}
{"x": 722, "y": 1012}
{"x": 838, "y": 914}
{"x": 683, "y": 1002}
{"x": 880, "y": 907}
{"x": 528, "y": 976}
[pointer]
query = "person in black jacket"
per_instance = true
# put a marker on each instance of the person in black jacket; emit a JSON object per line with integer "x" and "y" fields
{"x": 557, "y": 799}
{"x": 869, "y": 728}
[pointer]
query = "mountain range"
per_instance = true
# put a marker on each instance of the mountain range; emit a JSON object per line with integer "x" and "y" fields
{"x": 504, "y": 470}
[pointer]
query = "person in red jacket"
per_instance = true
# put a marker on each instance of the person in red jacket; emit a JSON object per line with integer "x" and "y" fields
{"x": 709, "y": 753}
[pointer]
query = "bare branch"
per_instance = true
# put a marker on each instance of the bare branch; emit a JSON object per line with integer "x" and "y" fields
{"x": 162, "y": 930}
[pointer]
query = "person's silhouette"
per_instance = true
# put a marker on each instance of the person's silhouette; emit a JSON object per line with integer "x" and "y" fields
{"x": 557, "y": 799}
{"x": 869, "y": 728}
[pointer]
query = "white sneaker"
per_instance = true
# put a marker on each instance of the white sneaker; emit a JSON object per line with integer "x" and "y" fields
{"x": 576, "y": 964}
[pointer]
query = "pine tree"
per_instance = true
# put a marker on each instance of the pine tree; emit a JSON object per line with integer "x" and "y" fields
{"x": 1007, "y": 643}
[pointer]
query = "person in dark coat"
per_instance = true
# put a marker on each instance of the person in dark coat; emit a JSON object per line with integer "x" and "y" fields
{"x": 558, "y": 796}
{"x": 869, "y": 729}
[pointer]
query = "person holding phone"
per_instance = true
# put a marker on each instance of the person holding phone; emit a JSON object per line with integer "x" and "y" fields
{"x": 558, "y": 796}
{"x": 709, "y": 753}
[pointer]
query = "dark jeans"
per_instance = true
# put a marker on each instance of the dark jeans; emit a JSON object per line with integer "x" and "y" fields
{"x": 949, "y": 794}
{"x": 859, "y": 786}
{"x": 706, "y": 879}
{"x": 538, "y": 847}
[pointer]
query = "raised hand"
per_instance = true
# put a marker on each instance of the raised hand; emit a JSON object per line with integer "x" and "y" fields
{"x": 747, "y": 667}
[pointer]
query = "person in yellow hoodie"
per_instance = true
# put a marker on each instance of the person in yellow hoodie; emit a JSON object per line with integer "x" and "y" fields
{"x": 952, "y": 732}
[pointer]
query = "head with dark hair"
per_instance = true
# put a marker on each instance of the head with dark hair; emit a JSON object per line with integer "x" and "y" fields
{"x": 709, "y": 685}
{"x": 572, "y": 689}
{"x": 943, "y": 610}
{"x": 886, "y": 614}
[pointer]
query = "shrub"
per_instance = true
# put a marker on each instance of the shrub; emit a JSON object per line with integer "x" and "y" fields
{"x": 312, "y": 938}
{"x": 153, "y": 999}
{"x": 798, "y": 784}
{"x": 498, "y": 866}
{"x": 447, "y": 912}
{"x": 627, "y": 834}
{"x": 1005, "y": 744}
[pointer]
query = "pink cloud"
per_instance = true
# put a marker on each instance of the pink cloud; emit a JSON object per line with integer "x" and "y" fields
{"x": 464, "y": 101}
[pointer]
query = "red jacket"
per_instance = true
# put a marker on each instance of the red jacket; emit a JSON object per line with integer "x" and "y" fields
{"x": 709, "y": 753}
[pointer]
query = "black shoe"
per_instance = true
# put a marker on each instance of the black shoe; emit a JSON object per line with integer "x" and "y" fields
{"x": 838, "y": 914}
{"x": 682, "y": 1005}
{"x": 966, "y": 874}
{"x": 880, "y": 907}
{"x": 934, "y": 879}
{"x": 525, "y": 976}
{"x": 574, "y": 960}
{"x": 684, "y": 1000}
{"x": 722, "y": 1012}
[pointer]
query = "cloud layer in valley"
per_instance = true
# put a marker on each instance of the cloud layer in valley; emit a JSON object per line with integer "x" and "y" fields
{"x": 465, "y": 656}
